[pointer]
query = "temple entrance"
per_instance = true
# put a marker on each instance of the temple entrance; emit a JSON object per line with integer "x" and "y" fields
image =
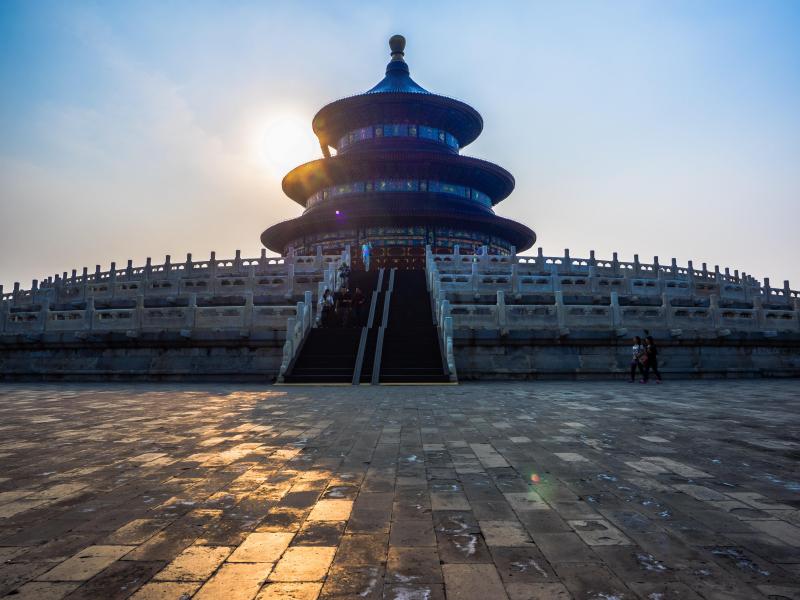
{"x": 390, "y": 257}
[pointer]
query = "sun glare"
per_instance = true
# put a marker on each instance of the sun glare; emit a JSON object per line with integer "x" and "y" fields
{"x": 285, "y": 141}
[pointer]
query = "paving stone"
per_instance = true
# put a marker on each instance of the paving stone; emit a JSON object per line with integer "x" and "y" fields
{"x": 320, "y": 533}
{"x": 331, "y": 510}
{"x": 412, "y": 532}
{"x": 262, "y": 547}
{"x": 413, "y": 566}
{"x": 118, "y": 581}
{"x": 235, "y": 582}
{"x": 137, "y": 531}
{"x": 537, "y": 591}
{"x": 599, "y": 533}
{"x": 290, "y": 591}
{"x": 522, "y": 565}
{"x": 303, "y": 563}
{"x": 44, "y": 590}
{"x": 504, "y": 533}
{"x": 362, "y": 549}
{"x": 86, "y": 564}
{"x": 421, "y": 591}
{"x": 354, "y": 581}
{"x": 473, "y": 582}
{"x": 196, "y": 563}
{"x": 166, "y": 590}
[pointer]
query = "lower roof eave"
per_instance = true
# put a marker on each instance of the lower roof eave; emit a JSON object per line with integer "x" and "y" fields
{"x": 277, "y": 237}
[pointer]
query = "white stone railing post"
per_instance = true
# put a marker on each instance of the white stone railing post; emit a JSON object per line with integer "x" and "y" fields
{"x": 561, "y": 313}
{"x": 555, "y": 279}
{"x": 3, "y": 311}
{"x": 475, "y": 276}
{"x": 448, "y": 348}
{"x": 44, "y": 313}
{"x": 139, "y": 310}
{"x": 288, "y": 348}
{"x": 514, "y": 278}
{"x": 443, "y": 312}
{"x": 666, "y": 306}
{"x": 89, "y": 313}
{"x": 713, "y": 307}
{"x": 502, "y": 316}
{"x": 759, "y": 311}
{"x": 248, "y": 309}
{"x": 616, "y": 313}
{"x": 191, "y": 311}
{"x": 112, "y": 278}
{"x": 237, "y": 262}
{"x": 308, "y": 298}
{"x": 290, "y": 279}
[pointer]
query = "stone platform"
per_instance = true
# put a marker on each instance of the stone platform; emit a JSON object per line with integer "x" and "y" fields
{"x": 485, "y": 491}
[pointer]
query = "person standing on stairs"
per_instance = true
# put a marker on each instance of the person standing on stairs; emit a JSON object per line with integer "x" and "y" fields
{"x": 359, "y": 303}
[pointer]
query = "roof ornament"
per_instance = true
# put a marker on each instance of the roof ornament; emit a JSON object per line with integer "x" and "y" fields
{"x": 397, "y": 44}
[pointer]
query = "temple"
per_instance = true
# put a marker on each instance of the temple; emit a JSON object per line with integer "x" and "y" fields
{"x": 448, "y": 295}
{"x": 397, "y": 181}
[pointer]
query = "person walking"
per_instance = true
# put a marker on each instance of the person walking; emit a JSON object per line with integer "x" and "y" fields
{"x": 651, "y": 351}
{"x": 638, "y": 357}
{"x": 327, "y": 308}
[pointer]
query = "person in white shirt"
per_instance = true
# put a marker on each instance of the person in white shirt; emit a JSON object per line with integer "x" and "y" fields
{"x": 638, "y": 354}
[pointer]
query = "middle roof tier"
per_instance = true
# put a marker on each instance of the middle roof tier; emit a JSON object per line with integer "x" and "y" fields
{"x": 304, "y": 181}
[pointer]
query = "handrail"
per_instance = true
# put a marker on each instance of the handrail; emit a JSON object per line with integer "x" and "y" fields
{"x": 297, "y": 329}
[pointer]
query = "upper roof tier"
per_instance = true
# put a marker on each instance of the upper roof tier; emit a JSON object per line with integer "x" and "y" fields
{"x": 397, "y": 98}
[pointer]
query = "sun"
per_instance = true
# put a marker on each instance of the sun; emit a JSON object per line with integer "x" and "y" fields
{"x": 285, "y": 141}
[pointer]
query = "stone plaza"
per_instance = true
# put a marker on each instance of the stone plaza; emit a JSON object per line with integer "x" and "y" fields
{"x": 479, "y": 491}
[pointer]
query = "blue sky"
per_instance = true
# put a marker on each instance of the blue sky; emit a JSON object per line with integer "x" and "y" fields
{"x": 141, "y": 129}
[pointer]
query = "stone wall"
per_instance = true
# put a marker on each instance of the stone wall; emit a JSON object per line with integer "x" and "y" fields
{"x": 212, "y": 356}
{"x": 592, "y": 354}
{"x": 560, "y": 316}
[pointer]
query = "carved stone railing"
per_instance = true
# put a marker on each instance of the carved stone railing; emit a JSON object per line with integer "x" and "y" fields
{"x": 537, "y": 288}
{"x": 549, "y": 274}
{"x": 444, "y": 322}
{"x": 288, "y": 276}
{"x": 244, "y": 295}
{"x": 297, "y": 328}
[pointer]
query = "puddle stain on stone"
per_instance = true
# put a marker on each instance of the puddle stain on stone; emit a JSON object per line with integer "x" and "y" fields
{"x": 522, "y": 567}
{"x": 649, "y": 562}
{"x": 739, "y": 559}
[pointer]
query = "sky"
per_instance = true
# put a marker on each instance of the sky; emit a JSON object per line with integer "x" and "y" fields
{"x": 140, "y": 129}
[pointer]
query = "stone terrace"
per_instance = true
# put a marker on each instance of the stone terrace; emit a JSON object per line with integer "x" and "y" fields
{"x": 518, "y": 490}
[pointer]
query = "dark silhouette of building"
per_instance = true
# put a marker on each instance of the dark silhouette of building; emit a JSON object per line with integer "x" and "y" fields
{"x": 397, "y": 180}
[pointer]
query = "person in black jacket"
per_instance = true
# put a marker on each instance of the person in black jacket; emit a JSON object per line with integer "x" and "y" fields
{"x": 652, "y": 359}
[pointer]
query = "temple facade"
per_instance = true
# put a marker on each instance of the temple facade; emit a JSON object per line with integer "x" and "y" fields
{"x": 397, "y": 181}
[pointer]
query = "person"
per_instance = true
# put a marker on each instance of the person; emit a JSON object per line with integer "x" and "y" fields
{"x": 344, "y": 275}
{"x": 638, "y": 354}
{"x": 365, "y": 250}
{"x": 359, "y": 302}
{"x": 651, "y": 350}
{"x": 338, "y": 308}
{"x": 345, "y": 308}
{"x": 327, "y": 308}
